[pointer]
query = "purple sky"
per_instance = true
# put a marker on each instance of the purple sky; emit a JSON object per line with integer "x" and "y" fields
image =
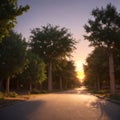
{"x": 72, "y": 14}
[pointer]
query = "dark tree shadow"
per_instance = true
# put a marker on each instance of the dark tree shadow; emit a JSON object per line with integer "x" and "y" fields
{"x": 20, "y": 111}
{"x": 111, "y": 110}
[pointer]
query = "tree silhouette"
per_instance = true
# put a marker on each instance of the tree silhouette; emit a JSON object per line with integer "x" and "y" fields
{"x": 104, "y": 30}
{"x": 12, "y": 57}
{"x": 50, "y": 43}
{"x": 9, "y": 10}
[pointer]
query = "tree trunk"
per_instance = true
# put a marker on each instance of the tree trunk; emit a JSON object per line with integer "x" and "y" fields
{"x": 18, "y": 85}
{"x": 98, "y": 83}
{"x": 50, "y": 77}
{"x": 30, "y": 86}
{"x": 1, "y": 86}
{"x": 41, "y": 87}
{"x": 95, "y": 85}
{"x": 66, "y": 85}
{"x": 61, "y": 84}
{"x": 111, "y": 73}
{"x": 8, "y": 85}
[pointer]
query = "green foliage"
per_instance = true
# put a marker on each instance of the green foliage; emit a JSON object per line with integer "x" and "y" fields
{"x": 65, "y": 70}
{"x": 12, "y": 55}
{"x": 43, "y": 91}
{"x": 35, "y": 69}
{"x": 115, "y": 97}
{"x": 105, "y": 28}
{"x": 35, "y": 91}
{"x": 96, "y": 69}
{"x": 11, "y": 94}
{"x": 9, "y": 10}
{"x": 51, "y": 42}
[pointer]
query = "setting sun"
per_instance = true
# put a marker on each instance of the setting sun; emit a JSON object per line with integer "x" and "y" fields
{"x": 80, "y": 71}
{"x": 80, "y": 74}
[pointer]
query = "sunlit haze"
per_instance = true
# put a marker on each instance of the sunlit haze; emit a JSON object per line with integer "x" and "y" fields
{"x": 79, "y": 70}
{"x": 72, "y": 14}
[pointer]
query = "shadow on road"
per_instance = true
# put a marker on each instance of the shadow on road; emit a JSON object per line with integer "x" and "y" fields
{"x": 25, "y": 109}
{"x": 108, "y": 110}
{"x": 63, "y": 104}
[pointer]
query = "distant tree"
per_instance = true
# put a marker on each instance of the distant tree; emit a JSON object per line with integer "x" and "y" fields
{"x": 104, "y": 30}
{"x": 9, "y": 10}
{"x": 117, "y": 66}
{"x": 12, "y": 57}
{"x": 59, "y": 71}
{"x": 70, "y": 75}
{"x": 96, "y": 68}
{"x": 35, "y": 72}
{"x": 50, "y": 43}
{"x": 65, "y": 74}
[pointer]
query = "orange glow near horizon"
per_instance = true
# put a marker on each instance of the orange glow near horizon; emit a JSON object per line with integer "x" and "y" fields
{"x": 80, "y": 71}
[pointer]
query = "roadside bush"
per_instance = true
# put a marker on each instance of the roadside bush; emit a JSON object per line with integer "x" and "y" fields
{"x": 44, "y": 91}
{"x": 11, "y": 94}
{"x": 116, "y": 97}
{"x": 35, "y": 91}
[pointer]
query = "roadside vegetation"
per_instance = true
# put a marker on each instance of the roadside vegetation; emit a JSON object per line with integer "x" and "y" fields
{"x": 43, "y": 63}
{"x": 102, "y": 67}
{"x": 36, "y": 65}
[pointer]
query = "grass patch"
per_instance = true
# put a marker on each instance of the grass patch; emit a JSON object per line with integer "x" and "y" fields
{"x": 105, "y": 94}
{"x": 99, "y": 93}
{"x": 36, "y": 91}
{"x": 11, "y": 94}
{"x": 115, "y": 97}
{"x": 43, "y": 91}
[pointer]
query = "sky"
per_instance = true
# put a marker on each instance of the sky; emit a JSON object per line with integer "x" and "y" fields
{"x": 72, "y": 14}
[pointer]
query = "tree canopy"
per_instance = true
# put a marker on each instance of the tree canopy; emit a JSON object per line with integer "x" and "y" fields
{"x": 104, "y": 30}
{"x": 34, "y": 71}
{"x": 9, "y": 10}
{"x": 50, "y": 43}
{"x": 12, "y": 55}
{"x": 96, "y": 68}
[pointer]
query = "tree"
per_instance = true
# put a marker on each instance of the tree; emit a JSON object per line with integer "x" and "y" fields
{"x": 59, "y": 72}
{"x": 104, "y": 30}
{"x": 70, "y": 75}
{"x": 65, "y": 74}
{"x": 96, "y": 68}
{"x": 9, "y": 10}
{"x": 35, "y": 70}
{"x": 50, "y": 43}
{"x": 12, "y": 57}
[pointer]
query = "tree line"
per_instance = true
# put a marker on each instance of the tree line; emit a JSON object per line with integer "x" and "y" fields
{"x": 42, "y": 62}
{"x": 103, "y": 32}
